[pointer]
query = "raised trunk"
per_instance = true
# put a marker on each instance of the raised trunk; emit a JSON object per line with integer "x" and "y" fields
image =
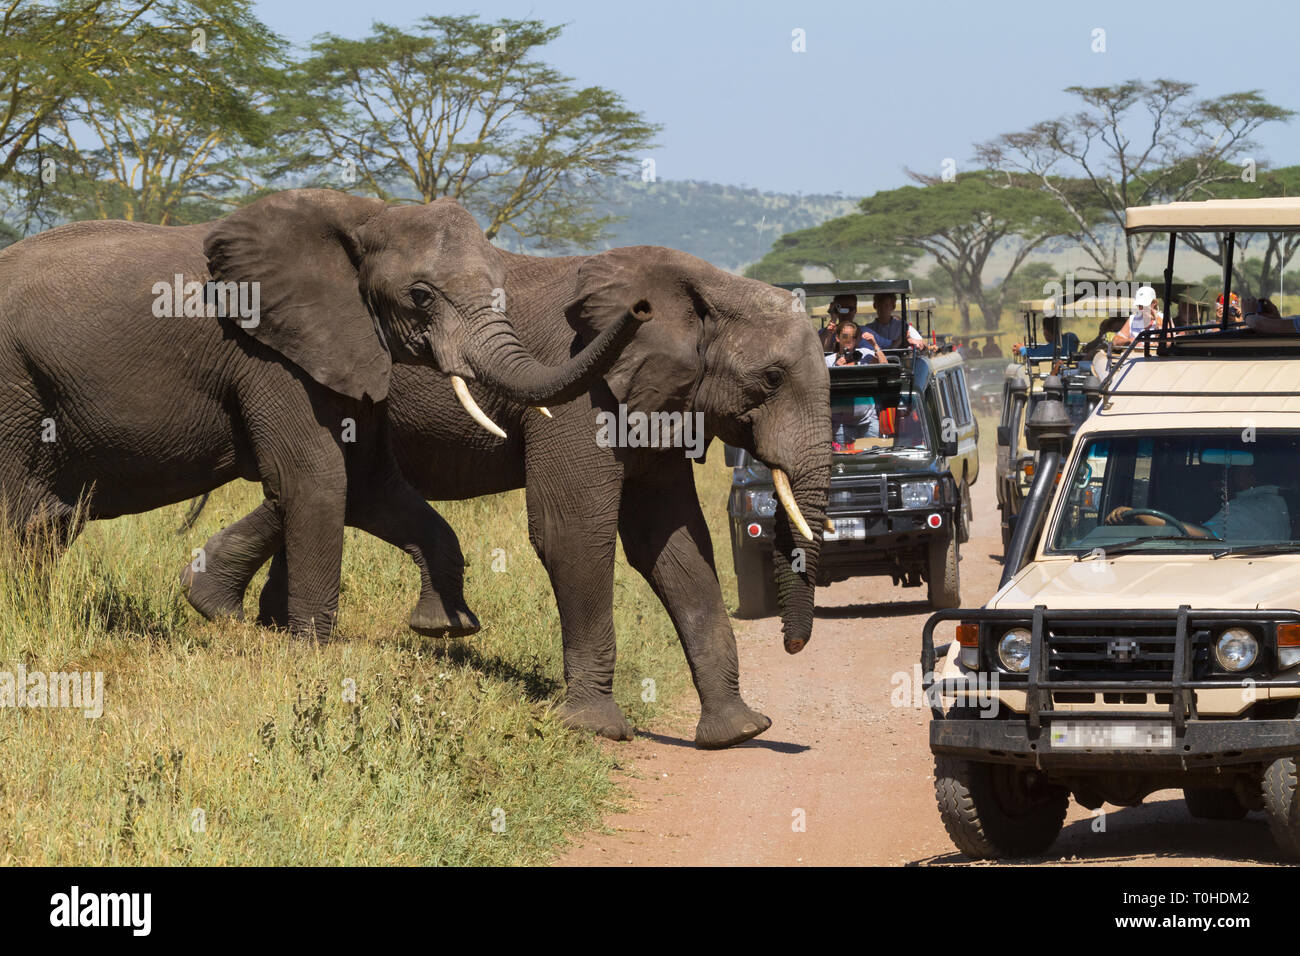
{"x": 501, "y": 362}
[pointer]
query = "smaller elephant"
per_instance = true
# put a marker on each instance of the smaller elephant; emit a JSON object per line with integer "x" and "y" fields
{"x": 258, "y": 346}
{"x": 732, "y": 357}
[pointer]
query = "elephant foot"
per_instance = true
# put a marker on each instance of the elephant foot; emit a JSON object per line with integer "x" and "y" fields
{"x": 210, "y": 595}
{"x": 600, "y": 716}
{"x": 728, "y": 726}
{"x": 433, "y": 619}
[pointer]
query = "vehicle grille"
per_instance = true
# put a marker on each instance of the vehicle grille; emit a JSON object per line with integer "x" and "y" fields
{"x": 864, "y": 494}
{"x": 1135, "y": 651}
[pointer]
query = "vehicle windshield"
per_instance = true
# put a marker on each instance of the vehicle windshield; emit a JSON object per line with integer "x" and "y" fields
{"x": 1218, "y": 490}
{"x": 863, "y": 422}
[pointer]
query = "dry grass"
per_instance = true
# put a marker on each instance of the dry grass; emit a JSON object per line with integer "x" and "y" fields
{"x": 222, "y": 743}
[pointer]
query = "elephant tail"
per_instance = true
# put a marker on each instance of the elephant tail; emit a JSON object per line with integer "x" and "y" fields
{"x": 191, "y": 516}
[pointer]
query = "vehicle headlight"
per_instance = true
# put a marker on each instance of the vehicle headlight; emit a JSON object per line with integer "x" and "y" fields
{"x": 1236, "y": 649}
{"x": 762, "y": 503}
{"x": 917, "y": 494}
{"x": 1013, "y": 650}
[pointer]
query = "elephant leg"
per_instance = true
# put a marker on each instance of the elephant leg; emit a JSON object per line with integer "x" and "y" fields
{"x": 393, "y": 511}
{"x": 214, "y": 582}
{"x": 273, "y": 602}
{"x": 667, "y": 540}
{"x": 575, "y": 539}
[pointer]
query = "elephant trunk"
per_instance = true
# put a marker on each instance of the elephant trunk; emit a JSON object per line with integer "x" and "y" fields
{"x": 501, "y": 362}
{"x": 794, "y": 555}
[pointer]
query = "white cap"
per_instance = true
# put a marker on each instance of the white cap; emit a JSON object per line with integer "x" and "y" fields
{"x": 1145, "y": 296}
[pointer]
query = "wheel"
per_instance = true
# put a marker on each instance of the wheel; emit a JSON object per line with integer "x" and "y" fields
{"x": 755, "y": 584}
{"x": 1282, "y": 805}
{"x": 993, "y": 810}
{"x": 1213, "y": 804}
{"x": 942, "y": 577}
{"x": 964, "y": 512}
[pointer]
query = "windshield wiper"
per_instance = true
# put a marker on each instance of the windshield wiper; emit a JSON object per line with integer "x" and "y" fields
{"x": 1121, "y": 547}
{"x": 1277, "y": 547}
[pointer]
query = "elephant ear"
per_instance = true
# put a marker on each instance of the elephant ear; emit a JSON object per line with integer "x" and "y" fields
{"x": 659, "y": 368}
{"x": 302, "y": 249}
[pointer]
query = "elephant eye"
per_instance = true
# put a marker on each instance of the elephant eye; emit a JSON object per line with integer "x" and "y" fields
{"x": 421, "y": 297}
{"x": 772, "y": 377}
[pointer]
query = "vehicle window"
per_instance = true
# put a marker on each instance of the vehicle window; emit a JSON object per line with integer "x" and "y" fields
{"x": 865, "y": 423}
{"x": 963, "y": 399}
{"x": 945, "y": 395}
{"x": 1187, "y": 492}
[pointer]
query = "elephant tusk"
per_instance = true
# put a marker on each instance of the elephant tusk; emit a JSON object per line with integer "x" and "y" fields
{"x": 786, "y": 497}
{"x": 544, "y": 410}
{"x": 467, "y": 400}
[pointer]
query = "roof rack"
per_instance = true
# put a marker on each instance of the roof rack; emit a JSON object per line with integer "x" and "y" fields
{"x": 850, "y": 287}
{"x": 1206, "y": 341}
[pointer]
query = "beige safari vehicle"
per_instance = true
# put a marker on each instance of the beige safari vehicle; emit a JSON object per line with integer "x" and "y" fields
{"x": 1146, "y": 634}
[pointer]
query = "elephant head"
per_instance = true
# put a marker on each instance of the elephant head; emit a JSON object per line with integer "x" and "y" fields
{"x": 742, "y": 353}
{"x": 348, "y": 285}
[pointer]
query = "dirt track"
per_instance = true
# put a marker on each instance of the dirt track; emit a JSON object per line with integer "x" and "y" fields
{"x": 858, "y": 767}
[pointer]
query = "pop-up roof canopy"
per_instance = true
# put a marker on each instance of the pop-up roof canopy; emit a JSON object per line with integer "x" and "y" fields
{"x": 1280, "y": 214}
{"x": 851, "y": 287}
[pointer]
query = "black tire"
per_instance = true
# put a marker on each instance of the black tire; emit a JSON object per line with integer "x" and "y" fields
{"x": 1282, "y": 805}
{"x": 964, "y": 512}
{"x": 755, "y": 584}
{"x": 994, "y": 811}
{"x": 943, "y": 578}
{"x": 1213, "y": 804}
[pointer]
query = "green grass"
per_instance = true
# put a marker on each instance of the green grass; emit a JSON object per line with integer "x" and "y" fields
{"x": 223, "y": 743}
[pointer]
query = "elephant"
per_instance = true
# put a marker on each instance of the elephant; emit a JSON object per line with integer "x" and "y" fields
{"x": 258, "y": 346}
{"x": 734, "y": 350}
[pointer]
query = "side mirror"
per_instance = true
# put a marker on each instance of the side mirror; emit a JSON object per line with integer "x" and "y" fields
{"x": 732, "y": 456}
{"x": 1004, "y": 436}
{"x": 948, "y": 448}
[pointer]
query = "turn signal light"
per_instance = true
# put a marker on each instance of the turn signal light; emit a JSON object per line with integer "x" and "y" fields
{"x": 968, "y": 634}
{"x": 1288, "y": 635}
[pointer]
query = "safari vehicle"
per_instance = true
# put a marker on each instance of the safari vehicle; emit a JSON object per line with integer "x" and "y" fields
{"x": 904, "y": 455}
{"x": 1146, "y": 634}
{"x": 1022, "y": 390}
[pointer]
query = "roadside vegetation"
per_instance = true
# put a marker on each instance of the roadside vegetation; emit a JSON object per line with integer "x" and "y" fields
{"x": 224, "y": 743}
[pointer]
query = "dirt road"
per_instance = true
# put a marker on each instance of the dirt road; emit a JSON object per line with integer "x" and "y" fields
{"x": 844, "y": 776}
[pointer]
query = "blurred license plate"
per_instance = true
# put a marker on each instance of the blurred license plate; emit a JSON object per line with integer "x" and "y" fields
{"x": 1119, "y": 734}
{"x": 847, "y": 529}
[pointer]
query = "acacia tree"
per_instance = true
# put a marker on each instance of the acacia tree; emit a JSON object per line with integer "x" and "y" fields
{"x": 462, "y": 108}
{"x": 1275, "y": 249}
{"x": 169, "y": 135}
{"x": 1133, "y": 144}
{"x": 123, "y": 76}
{"x": 834, "y": 246}
{"x": 959, "y": 224}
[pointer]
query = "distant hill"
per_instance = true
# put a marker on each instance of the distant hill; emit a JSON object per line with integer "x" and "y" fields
{"x": 729, "y": 226}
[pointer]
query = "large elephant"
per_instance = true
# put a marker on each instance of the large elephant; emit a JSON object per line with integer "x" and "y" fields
{"x": 126, "y": 388}
{"x": 738, "y": 352}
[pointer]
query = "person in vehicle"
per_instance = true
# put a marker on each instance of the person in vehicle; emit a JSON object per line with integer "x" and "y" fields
{"x": 1234, "y": 309}
{"x": 842, "y": 307}
{"x": 853, "y": 419}
{"x": 1145, "y": 315}
{"x": 889, "y": 330}
{"x": 1262, "y": 316}
{"x": 1254, "y": 513}
{"x": 991, "y": 349}
{"x": 847, "y": 350}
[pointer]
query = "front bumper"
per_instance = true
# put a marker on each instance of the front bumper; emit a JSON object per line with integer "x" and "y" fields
{"x": 1197, "y": 742}
{"x": 1200, "y": 744}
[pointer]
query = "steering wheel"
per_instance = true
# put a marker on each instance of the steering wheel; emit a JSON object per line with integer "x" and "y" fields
{"x": 1164, "y": 516}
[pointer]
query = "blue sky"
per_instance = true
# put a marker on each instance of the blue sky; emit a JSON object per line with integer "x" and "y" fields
{"x": 881, "y": 87}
